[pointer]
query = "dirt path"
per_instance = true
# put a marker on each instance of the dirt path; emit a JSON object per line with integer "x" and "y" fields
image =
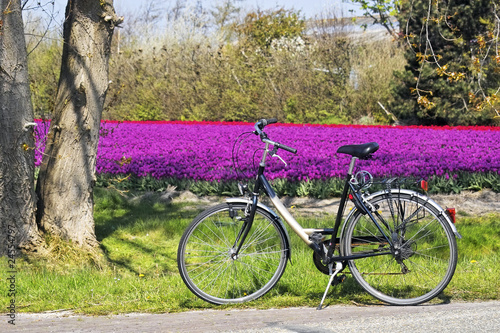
{"x": 466, "y": 203}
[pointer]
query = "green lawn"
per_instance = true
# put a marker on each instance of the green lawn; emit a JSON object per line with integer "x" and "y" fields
{"x": 136, "y": 271}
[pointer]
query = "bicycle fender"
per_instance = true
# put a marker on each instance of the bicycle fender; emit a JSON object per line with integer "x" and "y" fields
{"x": 273, "y": 215}
{"x": 441, "y": 211}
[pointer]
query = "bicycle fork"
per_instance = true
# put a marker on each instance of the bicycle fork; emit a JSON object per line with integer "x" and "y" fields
{"x": 247, "y": 225}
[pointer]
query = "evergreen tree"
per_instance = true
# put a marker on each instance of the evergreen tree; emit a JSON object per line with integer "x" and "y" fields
{"x": 453, "y": 72}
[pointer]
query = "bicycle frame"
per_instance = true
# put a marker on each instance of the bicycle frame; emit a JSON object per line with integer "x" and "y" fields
{"x": 262, "y": 184}
{"x": 413, "y": 232}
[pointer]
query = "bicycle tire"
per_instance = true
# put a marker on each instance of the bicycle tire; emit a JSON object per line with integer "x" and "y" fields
{"x": 206, "y": 260}
{"x": 422, "y": 260}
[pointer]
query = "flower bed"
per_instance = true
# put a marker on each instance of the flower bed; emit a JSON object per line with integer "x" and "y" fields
{"x": 203, "y": 151}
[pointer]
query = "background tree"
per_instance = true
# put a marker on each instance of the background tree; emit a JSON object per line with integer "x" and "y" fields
{"x": 453, "y": 54}
{"x": 44, "y": 63}
{"x": 224, "y": 14}
{"x": 67, "y": 174}
{"x": 382, "y": 12}
{"x": 193, "y": 66}
{"x": 452, "y": 74}
{"x": 17, "y": 196}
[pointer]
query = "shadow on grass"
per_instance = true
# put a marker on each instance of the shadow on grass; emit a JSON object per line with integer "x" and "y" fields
{"x": 352, "y": 292}
{"x": 347, "y": 291}
{"x": 120, "y": 219}
{"x": 114, "y": 211}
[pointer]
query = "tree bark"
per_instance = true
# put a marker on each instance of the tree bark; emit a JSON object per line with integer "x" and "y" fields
{"x": 67, "y": 174}
{"x": 18, "y": 229}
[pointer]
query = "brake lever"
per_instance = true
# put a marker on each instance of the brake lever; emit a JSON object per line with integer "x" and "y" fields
{"x": 278, "y": 156}
{"x": 273, "y": 154}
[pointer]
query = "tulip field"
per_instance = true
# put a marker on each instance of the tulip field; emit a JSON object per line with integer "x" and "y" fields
{"x": 203, "y": 151}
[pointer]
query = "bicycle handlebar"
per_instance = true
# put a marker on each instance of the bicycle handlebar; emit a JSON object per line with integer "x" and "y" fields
{"x": 259, "y": 126}
{"x": 259, "y": 129}
{"x": 284, "y": 147}
{"x": 269, "y": 121}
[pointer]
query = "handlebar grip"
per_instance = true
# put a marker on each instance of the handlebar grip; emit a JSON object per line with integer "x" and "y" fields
{"x": 289, "y": 149}
{"x": 265, "y": 122}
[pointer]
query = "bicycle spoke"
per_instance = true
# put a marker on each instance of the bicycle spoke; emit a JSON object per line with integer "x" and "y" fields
{"x": 215, "y": 272}
{"x": 423, "y": 259}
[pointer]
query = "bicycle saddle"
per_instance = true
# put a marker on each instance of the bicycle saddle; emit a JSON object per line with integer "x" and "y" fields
{"x": 359, "y": 151}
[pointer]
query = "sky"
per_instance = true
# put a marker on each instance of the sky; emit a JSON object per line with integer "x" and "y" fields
{"x": 309, "y": 8}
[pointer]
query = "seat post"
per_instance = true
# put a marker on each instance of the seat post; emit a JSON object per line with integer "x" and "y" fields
{"x": 351, "y": 165}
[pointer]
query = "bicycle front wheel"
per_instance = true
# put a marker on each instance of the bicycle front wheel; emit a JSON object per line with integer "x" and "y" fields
{"x": 213, "y": 271}
{"x": 422, "y": 246}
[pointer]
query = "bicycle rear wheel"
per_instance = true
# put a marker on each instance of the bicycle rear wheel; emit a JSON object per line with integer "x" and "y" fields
{"x": 208, "y": 264}
{"x": 423, "y": 251}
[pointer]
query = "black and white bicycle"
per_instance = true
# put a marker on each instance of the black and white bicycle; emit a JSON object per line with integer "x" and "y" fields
{"x": 399, "y": 244}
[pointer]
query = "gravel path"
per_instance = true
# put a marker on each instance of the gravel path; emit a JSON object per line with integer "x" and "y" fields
{"x": 466, "y": 203}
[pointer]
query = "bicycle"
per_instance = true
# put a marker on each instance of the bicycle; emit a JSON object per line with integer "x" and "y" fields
{"x": 399, "y": 244}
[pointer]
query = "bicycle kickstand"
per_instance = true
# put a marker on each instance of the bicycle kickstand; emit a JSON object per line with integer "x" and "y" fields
{"x": 338, "y": 267}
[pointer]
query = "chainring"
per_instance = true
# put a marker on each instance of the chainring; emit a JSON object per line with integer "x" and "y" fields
{"x": 317, "y": 260}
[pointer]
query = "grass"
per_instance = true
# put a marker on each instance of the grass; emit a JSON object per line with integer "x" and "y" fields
{"x": 135, "y": 269}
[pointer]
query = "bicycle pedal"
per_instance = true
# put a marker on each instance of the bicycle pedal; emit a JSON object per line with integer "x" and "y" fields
{"x": 339, "y": 279}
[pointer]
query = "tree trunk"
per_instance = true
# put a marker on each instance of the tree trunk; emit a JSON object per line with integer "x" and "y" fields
{"x": 18, "y": 229}
{"x": 67, "y": 173}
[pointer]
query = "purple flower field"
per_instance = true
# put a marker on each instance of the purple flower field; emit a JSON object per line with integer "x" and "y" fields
{"x": 202, "y": 151}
